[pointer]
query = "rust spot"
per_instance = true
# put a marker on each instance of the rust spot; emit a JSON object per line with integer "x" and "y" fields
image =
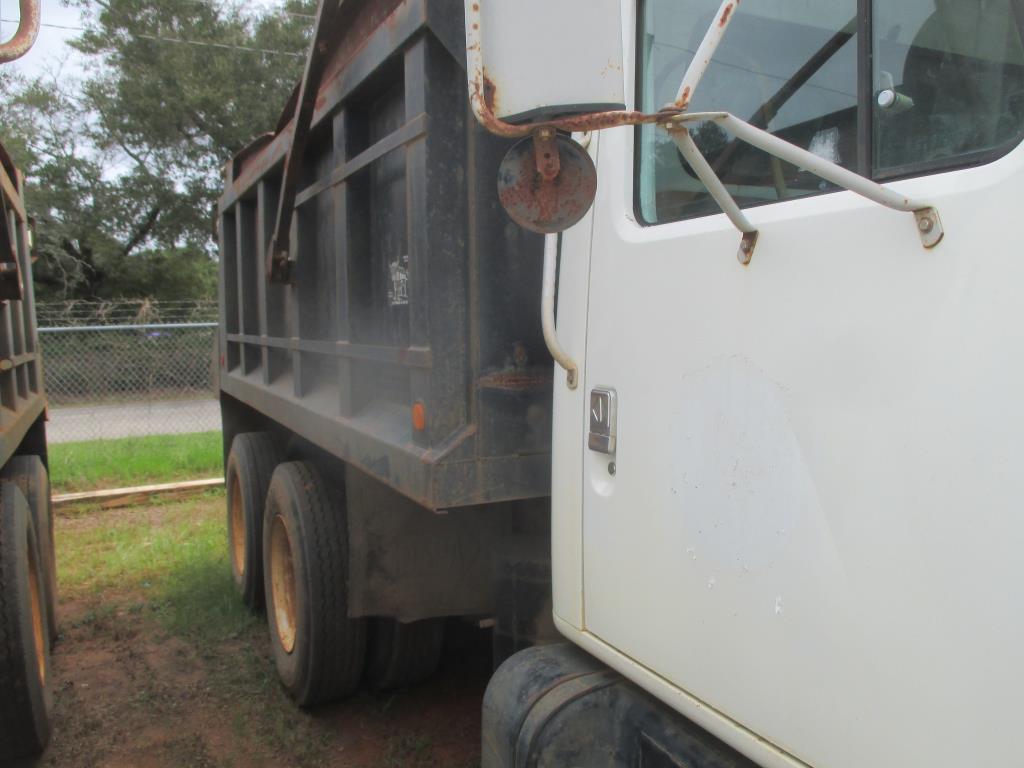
{"x": 476, "y": 26}
{"x": 476, "y": 7}
{"x": 490, "y": 94}
{"x": 684, "y": 99}
{"x": 546, "y": 205}
{"x": 515, "y": 381}
{"x": 726, "y": 14}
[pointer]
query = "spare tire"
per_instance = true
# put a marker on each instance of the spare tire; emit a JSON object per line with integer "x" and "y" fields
{"x": 403, "y": 654}
{"x": 30, "y": 475}
{"x": 26, "y": 692}
{"x": 251, "y": 463}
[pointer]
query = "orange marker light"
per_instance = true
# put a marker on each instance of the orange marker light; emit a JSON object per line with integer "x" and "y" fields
{"x": 419, "y": 417}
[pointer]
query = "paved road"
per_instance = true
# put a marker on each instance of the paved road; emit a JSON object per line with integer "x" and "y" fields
{"x": 105, "y": 422}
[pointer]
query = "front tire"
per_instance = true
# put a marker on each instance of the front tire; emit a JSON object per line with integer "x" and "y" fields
{"x": 26, "y": 691}
{"x": 247, "y": 476}
{"x": 318, "y": 650}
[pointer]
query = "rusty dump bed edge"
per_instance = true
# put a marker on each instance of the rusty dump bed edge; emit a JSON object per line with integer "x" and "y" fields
{"x": 408, "y": 289}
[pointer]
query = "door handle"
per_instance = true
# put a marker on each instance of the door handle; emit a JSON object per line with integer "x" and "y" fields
{"x": 603, "y": 414}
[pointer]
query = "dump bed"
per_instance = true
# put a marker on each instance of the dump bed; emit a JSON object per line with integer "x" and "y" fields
{"x": 404, "y": 337}
{"x": 22, "y": 397}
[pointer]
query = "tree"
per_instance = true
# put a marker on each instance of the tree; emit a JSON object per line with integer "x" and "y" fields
{"x": 124, "y": 175}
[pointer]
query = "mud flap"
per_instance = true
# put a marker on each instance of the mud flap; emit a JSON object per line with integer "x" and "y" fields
{"x": 557, "y": 706}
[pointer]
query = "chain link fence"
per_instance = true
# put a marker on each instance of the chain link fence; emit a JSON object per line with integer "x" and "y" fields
{"x": 125, "y": 369}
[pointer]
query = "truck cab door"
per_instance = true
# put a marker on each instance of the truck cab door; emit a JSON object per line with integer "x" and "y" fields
{"x": 799, "y": 501}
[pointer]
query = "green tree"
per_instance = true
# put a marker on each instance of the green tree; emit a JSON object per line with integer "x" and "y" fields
{"x": 123, "y": 175}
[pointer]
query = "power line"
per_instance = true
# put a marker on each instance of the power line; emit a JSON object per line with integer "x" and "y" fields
{"x": 220, "y": 45}
{"x": 176, "y": 40}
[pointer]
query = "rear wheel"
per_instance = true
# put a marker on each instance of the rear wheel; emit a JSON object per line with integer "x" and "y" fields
{"x": 250, "y": 466}
{"x": 30, "y": 475}
{"x": 26, "y": 697}
{"x": 403, "y": 654}
{"x": 318, "y": 650}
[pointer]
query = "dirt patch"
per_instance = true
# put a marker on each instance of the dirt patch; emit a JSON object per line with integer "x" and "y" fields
{"x": 133, "y": 689}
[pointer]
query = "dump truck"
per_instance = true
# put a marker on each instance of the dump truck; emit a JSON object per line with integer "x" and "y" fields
{"x": 28, "y": 569}
{"x": 767, "y": 492}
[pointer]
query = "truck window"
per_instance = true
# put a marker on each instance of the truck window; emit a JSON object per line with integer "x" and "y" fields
{"x": 954, "y": 70}
{"x": 947, "y": 89}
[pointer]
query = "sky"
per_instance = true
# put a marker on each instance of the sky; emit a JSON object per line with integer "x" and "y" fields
{"x": 51, "y": 54}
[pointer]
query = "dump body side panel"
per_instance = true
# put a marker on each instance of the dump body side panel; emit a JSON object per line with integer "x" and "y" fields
{"x": 22, "y": 396}
{"x": 410, "y": 288}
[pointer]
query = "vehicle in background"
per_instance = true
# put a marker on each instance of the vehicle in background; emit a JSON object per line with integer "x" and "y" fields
{"x": 28, "y": 571}
{"x": 769, "y": 499}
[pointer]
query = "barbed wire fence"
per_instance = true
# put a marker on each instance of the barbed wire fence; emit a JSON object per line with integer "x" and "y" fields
{"x": 128, "y": 368}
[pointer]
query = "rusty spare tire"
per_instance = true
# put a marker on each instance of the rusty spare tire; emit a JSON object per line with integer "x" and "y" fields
{"x": 251, "y": 463}
{"x": 30, "y": 475}
{"x": 26, "y": 689}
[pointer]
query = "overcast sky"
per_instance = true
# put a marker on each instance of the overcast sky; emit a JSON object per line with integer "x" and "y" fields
{"x": 51, "y": 54}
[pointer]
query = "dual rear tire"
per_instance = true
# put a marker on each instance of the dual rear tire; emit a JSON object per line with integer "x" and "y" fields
{"x": 25, "y": 672}
{"x": 319, "y": 651}
{"x": 30, "y": 475}
{"x": 288, "y": 527}
{"x": 250, "y": 465}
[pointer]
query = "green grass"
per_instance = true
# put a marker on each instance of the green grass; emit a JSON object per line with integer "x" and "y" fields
{"x": 168, "y": 562}
{"x": 175, "y": 555}
{"x": 168, "y": 558}
{"x": 161, "y": 570}
{"x": 130, "y": 461}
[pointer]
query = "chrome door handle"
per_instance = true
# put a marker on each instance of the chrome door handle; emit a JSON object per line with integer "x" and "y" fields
{"x": 603, "y": 407}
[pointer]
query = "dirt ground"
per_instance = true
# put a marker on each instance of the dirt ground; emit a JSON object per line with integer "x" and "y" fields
{"x": 130, "y": 691}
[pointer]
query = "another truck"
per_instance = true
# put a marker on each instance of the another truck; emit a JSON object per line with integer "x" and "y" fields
{"x": 28, "y": 569}
{"x": 773, "y": 482}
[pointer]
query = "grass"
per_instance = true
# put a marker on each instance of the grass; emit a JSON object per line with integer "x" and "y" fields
{"x": 159, "y": 572}
{"x": 173, "y": 554}
{"x": 168, "y": 562}
{"x": 130, "y": 461}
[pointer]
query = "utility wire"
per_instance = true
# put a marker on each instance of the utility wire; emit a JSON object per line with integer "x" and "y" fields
{"x": 177, "y": 40}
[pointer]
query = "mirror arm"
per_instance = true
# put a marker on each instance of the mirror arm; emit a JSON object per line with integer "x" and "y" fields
{"x": 25, "y": 36}
{"x": 705, "y": 52}
{"x": 928, "y": 222}
{"x": 688, "y": 147}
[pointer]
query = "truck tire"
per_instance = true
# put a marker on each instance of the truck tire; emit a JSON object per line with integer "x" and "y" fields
{"x": 30, "y": 475}
{"x": 250, "y": 466}
{"x": 26, "y": 693}
{"x": 403, "y": 654}
{"x": 318, "y": 650}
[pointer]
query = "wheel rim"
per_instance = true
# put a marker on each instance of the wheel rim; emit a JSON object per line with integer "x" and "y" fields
{"x": 237, "y": 532}
{"x": 282, "y": 583}
{"x": 36, "y": 607}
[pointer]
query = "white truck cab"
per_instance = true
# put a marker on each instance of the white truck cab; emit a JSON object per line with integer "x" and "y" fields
{"x": 786, "y": 494}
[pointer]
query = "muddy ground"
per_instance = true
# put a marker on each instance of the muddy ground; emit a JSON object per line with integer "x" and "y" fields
{"x": 137, "y": 685}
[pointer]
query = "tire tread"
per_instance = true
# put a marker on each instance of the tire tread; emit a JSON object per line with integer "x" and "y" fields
{"x": 20, "y": 734}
